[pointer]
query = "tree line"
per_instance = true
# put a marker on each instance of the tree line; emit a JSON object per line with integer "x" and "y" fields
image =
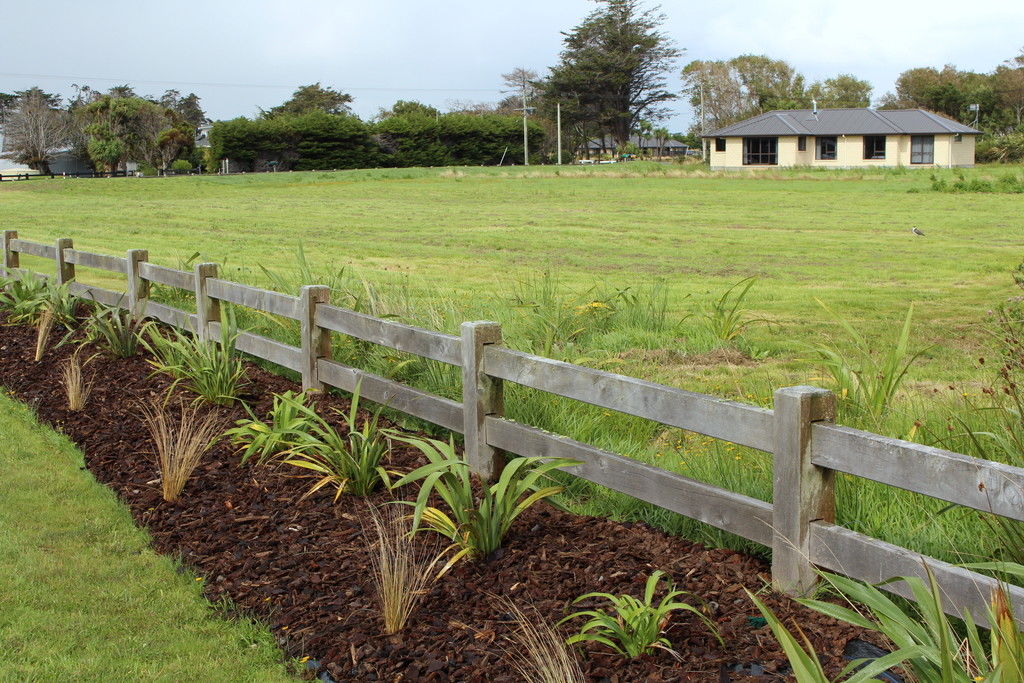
{"x": 105, "y": 129}
{"x": 611, "y": 81}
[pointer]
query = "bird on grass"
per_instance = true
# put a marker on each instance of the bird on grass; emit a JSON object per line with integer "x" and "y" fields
{"x": 917, "y": 232}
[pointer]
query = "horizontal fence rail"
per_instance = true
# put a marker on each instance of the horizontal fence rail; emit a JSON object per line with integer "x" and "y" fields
{"x": 808, "y": 448}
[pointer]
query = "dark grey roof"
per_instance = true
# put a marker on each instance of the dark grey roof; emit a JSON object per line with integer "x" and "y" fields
{"x": 845, "y": 122}
{"x": 641, "y": 142}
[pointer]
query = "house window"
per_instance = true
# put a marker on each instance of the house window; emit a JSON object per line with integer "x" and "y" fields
{"x": 874, "y": 146}
{"x": 825, "y": 148}
{"x": 760, "y": 151}
{"x": 801, "y": 143}
{"x": 922, "y": 149}
{"x": 957, "y": 137}
{"x": 719, "y": 144}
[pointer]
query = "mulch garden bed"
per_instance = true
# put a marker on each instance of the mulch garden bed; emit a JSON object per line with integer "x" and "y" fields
{"x": 302, "y": 566}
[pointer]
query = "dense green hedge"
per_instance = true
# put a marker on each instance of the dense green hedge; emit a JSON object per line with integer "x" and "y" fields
{"x": 325, "y": 141}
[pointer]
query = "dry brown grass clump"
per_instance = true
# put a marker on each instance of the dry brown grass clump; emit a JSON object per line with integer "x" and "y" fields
{"x": 43, "y": 329}
{"x": 180, "y": 443}
{"x": 539, "y": 654}
{"x": 402, "y": 569}
{"x": 76, "y": 388}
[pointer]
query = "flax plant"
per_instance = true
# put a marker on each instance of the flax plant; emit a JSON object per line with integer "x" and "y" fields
{"x": 728, "y": 316}
{"x": 865, "y": 379}
{"x": 351, "y": 463}
{"x": 117, "y": 330}
{"x": 180, "y": 441}
{"x": 210, "y": 369}
{"x": 76, "y": 388}
{"x": 475, "y": 523}
{"x": 927, "y": 646}
{"x": 402, "y": 570}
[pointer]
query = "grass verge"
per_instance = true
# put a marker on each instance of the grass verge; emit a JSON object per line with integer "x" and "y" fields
{"x": 84, "y": 597}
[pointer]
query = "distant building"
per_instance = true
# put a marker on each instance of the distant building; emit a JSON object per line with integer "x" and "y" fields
{"x": 651, "y": 146}
{"x": 62, "y": 161}
{"x": 843, "y": 138}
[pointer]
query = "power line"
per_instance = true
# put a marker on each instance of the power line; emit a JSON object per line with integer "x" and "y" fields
{"x": 231, "y": 85}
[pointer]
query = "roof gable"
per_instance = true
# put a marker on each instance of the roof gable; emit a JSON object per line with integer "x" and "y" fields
{"x": 845, "y": 122}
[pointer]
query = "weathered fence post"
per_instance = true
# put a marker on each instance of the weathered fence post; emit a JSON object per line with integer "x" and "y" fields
{"x": 138, "y": 288}
{"x": 207, "y": 308}
{"x": 803, "y": 492}
{"x": 316, "y": 341}
{"x": 10, "y": 257}
{"x": 65, "y": 270}
{"x": 481, "y": 396}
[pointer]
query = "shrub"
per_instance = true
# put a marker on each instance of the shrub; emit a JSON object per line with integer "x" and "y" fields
{"x": 148, "y": 170}
{"x": 402, "y": 570}
{"x": 181, "y": 165}
{"x": 634, "y": 626}
{"x": 211, "y": 370}
{"x": 179, "y": 444}
{"x": 476, "y": 525}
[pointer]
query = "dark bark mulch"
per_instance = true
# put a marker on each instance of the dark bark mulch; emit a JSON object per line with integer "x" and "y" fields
{"x": 302, "y": 566}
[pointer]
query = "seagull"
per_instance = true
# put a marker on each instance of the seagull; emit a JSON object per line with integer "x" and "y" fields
{"x": 917, "y": 232}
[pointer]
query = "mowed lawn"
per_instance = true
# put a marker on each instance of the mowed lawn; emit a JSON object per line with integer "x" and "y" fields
{"x": 842, "y": 238}
{"x": 82, "y": 595}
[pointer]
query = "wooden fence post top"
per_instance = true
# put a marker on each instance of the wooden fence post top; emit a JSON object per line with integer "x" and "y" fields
{"x": 318, "y": 293}
{"x": 206, "y": 269}
{"x": 485, "y": 331}
{"x": 821, "y": 402}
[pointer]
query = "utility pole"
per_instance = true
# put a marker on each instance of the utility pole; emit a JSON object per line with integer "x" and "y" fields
{"x": 526, "y": 137}
{"x": 558, "y": 126}
{"x": 703, "y": 140}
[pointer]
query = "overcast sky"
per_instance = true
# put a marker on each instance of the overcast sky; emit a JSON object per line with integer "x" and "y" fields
{"x": 239, "y": 56}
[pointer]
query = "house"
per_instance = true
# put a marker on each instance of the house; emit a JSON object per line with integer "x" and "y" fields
{"x": 653, "y": 146}
{"x": 843, "y": 138}
{"x": 61, "y": 161}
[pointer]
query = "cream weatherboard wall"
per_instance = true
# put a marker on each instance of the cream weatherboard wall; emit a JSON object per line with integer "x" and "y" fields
{"x": 849, "y": 153}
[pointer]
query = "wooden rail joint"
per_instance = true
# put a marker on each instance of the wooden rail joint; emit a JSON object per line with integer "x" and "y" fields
{"x": 802, "y": 492}
{"x": 65, "y": 270}
{"x": 11, "y": 258}
{"x": 316, "y": 341}
{"x": 207, "y": 308}
{"x": 482, "y": 397}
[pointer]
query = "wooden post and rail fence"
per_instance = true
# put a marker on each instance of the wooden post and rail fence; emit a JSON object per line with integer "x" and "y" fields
{"x": 808, "y": 448}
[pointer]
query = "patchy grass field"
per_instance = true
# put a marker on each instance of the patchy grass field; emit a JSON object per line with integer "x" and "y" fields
{"x": 635, "y": 256}
{"x": 83, "y": 597}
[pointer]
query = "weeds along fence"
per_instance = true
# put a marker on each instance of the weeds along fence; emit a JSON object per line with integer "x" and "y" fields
{"x": 808, "y": 449}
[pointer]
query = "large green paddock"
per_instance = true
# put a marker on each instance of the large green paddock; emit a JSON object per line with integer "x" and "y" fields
{"x": 438, "y": 246}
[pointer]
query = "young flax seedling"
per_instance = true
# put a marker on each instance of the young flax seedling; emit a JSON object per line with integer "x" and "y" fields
{"x": 634, "y": 627}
